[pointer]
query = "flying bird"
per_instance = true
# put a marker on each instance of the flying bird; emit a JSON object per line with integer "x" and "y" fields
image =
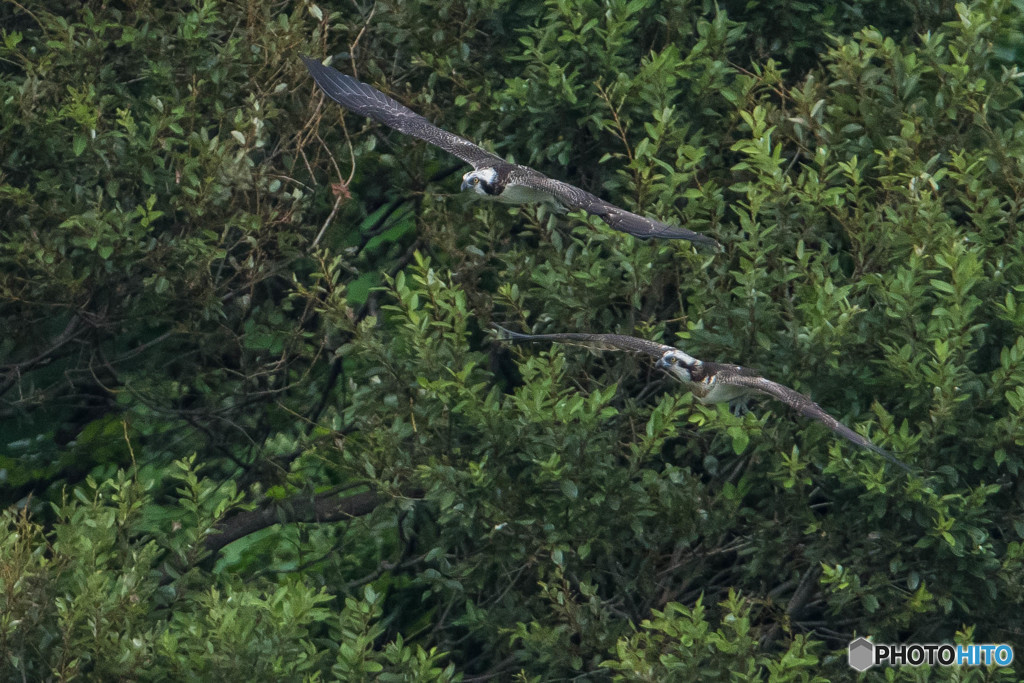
{"x": 709, "y": 382}
{"x": 492, "y": 177}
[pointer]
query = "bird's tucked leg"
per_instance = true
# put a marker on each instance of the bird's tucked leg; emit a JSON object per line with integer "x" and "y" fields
{"x": 739, "y": 406}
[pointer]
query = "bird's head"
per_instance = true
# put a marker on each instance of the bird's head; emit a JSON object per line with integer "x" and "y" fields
{"x": 480, "y": 181}
{"x": 678, "y": 364}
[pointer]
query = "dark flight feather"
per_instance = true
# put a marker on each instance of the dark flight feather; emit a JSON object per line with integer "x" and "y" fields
{"x": 802, "y": 405}
{"x": 599, "y": 342}
{"x": 368, "y": 101}
{"x": 624, "y": 221}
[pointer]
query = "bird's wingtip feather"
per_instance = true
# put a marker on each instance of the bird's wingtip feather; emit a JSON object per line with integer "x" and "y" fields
{"x": 311, "y": 62}
{"x": 887, "y": 455}
{"x": 503, "y": 332}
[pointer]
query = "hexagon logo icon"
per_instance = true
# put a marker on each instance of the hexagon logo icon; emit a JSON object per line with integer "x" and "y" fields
{"x": 861, "y": 654}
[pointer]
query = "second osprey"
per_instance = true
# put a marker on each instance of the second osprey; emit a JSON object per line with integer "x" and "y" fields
{"x": 492, "y": 177}
{"x": 709, "y": 382}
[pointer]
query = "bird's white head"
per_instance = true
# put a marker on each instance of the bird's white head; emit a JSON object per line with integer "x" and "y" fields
{"x": 678, "y": 364}
{"x": 480, "y": 180}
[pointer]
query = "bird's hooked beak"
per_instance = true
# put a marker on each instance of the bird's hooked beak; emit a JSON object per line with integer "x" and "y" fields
{"x": 465, "y": 183}
{"x": 671, "y": 364}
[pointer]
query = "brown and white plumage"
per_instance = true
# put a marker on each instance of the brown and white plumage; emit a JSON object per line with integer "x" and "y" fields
{"x": 709, "y": 382}
{"x": 492, "y": 177}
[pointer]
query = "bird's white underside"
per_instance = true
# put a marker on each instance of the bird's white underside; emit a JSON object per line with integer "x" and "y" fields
{"x": 520, "y": 194}
{"x": 706, "y": 391}
{"x": 512, "y": 194}
{"x": 710, "y": 391}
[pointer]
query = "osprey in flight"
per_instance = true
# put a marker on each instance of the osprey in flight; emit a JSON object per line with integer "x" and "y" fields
{"x": 709, "y": 382}
{"x": 492, "y": 177}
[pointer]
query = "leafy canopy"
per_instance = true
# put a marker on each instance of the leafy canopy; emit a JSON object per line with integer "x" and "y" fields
{"x": 254, "y": 424}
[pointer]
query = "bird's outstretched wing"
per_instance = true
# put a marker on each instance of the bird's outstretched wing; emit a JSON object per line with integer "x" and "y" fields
{"x": 599, "y": 342}
{"x": 805, "y": 407}
{"x": 368, "y": 101}
{"x": 640, "y": 227}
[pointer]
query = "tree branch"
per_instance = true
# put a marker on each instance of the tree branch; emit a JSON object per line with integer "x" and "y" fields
{"x": 324, "y": 508}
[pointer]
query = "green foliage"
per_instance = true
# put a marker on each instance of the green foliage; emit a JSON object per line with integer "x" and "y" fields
{"x": 91, "y": 598}
{"x": 235, "y": 313}
{"x": 680, "y": 645}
